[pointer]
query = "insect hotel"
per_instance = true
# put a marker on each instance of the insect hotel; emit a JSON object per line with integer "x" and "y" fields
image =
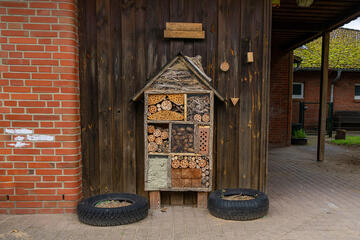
{"x": 178, "y": 128}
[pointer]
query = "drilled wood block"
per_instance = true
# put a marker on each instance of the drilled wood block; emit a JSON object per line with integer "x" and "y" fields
{"x": 196, "y": 183}
{"x": 175, "y": 173}
{"x": 204, "y": 140}
{"x": 189, "y": 173}
{"x": 176, "y": 183}
{"x": 186, "y": 182}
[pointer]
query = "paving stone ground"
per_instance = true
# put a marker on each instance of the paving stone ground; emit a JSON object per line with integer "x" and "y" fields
{"x": 308, "y": 200}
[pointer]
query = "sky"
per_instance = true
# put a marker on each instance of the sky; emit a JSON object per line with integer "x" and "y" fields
{"x": 355, "y": 24}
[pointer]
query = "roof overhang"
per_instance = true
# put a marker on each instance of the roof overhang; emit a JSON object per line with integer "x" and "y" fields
{"x": 293, "y": 26}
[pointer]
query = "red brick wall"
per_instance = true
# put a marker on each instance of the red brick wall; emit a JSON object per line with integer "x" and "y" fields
{"x": 343, "y": 94}
{"x": 280, "y": 103}
{"x": 40, "y": 170}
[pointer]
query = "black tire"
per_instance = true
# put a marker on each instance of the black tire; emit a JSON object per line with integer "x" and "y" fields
{"x": 89, "y": 214}
{"x": 238, "y": 210}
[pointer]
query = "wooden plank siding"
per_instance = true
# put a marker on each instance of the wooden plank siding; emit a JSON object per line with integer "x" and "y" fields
{"x": 122, "y": 45}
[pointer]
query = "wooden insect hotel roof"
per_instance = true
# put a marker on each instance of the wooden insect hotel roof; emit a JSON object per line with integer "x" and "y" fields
{"x": 173, "y": 71}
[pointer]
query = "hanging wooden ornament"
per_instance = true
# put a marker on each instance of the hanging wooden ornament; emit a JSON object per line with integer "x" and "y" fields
{"x": 234, "y": 100}
{"x": 224, "y": 66}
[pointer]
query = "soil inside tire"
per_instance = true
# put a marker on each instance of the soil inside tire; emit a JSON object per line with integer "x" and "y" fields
{"x": 238, "y": 197}
{"x": 112, "y": 204}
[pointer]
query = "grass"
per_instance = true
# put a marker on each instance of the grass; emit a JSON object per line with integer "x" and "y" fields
{"x": 350, "y": 140}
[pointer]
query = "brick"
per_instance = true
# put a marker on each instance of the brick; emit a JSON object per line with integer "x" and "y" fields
{"x": 7, "y": 204}
{"x": 17, "y": 89}
{"x": 14, "y": 19}
{"x": 17, "y": 75}
{"x": 45, "y": 62}
{"x": 38, "y": 83}
{"x": 43, "y": 19}
{"x": 13, "y": 4}
{"x": 36, "y": 55}
{"x": 18, "y": 117}
{"x": 45, "y": 90}
{"x": 16, "y": 61}
{"x": 47, "y": 117}
{"x": 6, "y": 178}
{"x": 15, "y": 33}
{"x": 48, "y": 158}
{"x": 40, "y": 110}
{"x": 7, "y": 47}
{"x": 22, "y": 198}
{"x": 49, "y": 185}
{"x": 28, "y": 204}
{"x": 25, "y": 96}
{"x": 43, "y": 5}
{"x": 31, "y": 104}
{"x": 43, "y": 34}
{"x": 20, "y": 158}
{"x": 48, "y": 172}
{"x": 30, "y": 26}
{"x": 18, "y": 171}
{"x": 22, "y": 211}
{"x": 44, "y": 76}
{"x": 47, "y": 145}
{"x": 49, "y": 197}
{"x": 27, "y": 151}
{"x": 40, "y": 165}
{"x": 29, "y": 48}
{"x": 21, "y": 11}
{"x": 27, "y": 178}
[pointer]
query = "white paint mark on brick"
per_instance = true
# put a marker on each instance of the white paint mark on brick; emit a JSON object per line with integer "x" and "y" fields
{"x": 18, "y": 144}
{"x": 18, "y": 131}
{"x": 40, "y": 137}
{"x": 19, "y": 138}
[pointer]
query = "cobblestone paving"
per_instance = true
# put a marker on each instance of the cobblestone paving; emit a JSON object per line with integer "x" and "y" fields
{"x": 307, "y": 201}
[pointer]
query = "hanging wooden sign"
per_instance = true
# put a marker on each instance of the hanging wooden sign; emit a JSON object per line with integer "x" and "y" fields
{"x": 184, "y": 30}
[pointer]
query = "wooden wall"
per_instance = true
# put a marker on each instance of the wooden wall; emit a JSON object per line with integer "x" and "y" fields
{"x": 122, "y": 45}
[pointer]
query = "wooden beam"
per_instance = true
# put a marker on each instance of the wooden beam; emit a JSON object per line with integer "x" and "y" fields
{"x": 323, "y": 95}
{"x": 345, "y": 18}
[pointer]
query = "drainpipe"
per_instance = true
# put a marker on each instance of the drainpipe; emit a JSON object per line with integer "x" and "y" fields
{"x": 338, "y": 75}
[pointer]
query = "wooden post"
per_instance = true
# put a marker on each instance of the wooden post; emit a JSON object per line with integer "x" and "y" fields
{"x": 202, "y": 198}
{"x": 154, "y": 199}
{"x": 323, "y": 96}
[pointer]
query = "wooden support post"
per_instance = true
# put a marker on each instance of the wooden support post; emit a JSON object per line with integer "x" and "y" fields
{"x": 154, "y": 199}
{"x": 323, "y": 96}
{"x": 202, "y": 198}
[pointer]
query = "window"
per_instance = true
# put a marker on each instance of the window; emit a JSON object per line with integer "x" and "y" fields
{"x": 298, "y": 90}
{"x": 357, "y": 91}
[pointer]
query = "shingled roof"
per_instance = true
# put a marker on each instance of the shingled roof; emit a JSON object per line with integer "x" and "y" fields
{"x": 344, "y": 51}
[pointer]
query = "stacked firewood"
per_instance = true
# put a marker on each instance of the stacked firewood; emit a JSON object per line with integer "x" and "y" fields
{"x": 158, "y": 139}
{"x": 193, "y": 162}
{"x": 198, "y": 108}
{"x": 182, "y": 138}
{"x": 166, "y": 107}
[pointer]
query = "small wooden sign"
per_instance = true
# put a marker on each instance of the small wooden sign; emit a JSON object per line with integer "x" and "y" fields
{"x": 250, "y": 57}
{"x": 184, "y": 30}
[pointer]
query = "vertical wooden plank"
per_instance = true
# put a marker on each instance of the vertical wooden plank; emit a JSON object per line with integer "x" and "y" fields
{"x": 88, "y": 97}
{"x": 181, "y": 11}
{"x": 140, "y": 16}
{"x": 116, "y": 60}
{"x": 128, "y": 53}
{"x": 323, "y": 96}
{"x": 202, "y": 198}
{"x": 154, "y": 199}
{"x": 104, "y": 54}
{"x": 205, "y": 12}
{"x": 265, "y": 93}
{"x": 228, "y": 84}
{"x": 157, "y": 48}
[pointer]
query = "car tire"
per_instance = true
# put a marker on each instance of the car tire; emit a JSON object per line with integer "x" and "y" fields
{"x": 91, "y": 215}
{"x": 240, "y": 210}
